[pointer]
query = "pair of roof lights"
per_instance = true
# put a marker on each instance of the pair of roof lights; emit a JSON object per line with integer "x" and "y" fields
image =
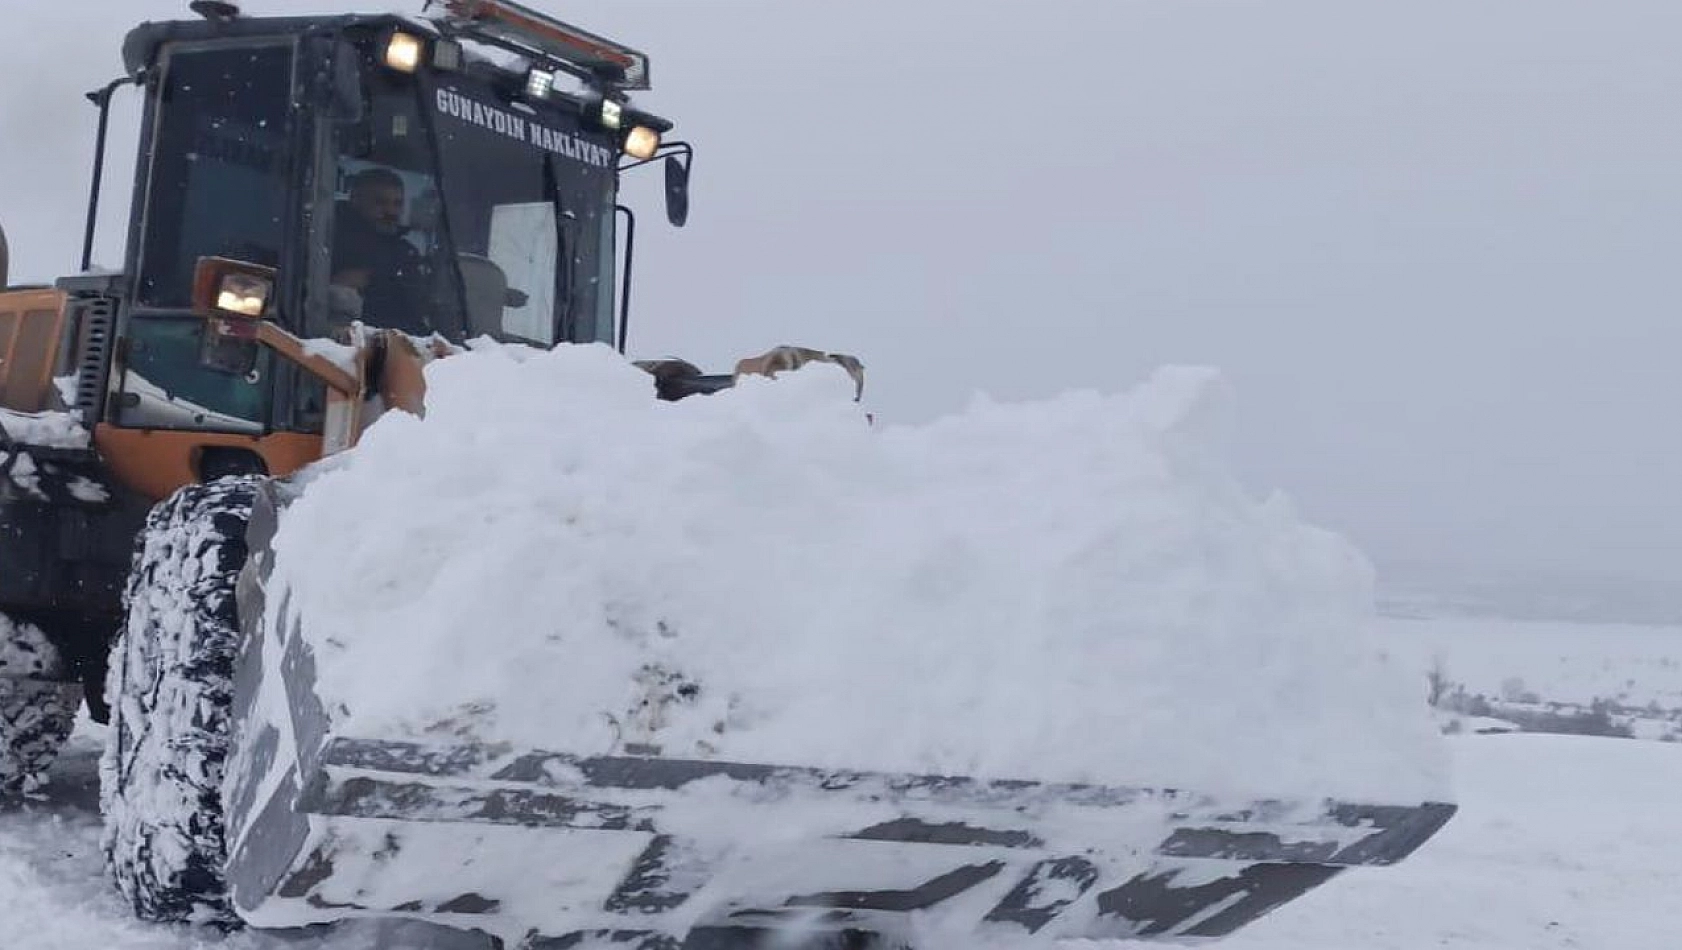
{"x": 405, "y": 51}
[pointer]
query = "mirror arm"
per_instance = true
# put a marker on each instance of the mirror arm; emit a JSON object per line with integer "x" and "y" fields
{"x": 666, "y": 150}
{"x": 101, "y": 98}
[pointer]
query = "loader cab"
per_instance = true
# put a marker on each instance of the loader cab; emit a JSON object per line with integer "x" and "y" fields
{"x": 435, "y": 177}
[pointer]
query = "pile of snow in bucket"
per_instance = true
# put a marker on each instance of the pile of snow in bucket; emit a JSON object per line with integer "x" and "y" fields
{"x": 1068, "y": 590}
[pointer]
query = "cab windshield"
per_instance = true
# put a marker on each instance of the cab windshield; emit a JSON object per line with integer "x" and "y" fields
{"x": 219, "y": 184}
{"x": 460, "y": 211}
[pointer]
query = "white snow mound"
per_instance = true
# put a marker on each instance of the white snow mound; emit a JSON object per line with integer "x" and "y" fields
{"x": 59, "y": 430}
{"x": 1068, "y": 590}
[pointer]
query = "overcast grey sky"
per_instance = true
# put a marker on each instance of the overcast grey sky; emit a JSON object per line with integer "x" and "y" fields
{"x": 1434, "y": 244}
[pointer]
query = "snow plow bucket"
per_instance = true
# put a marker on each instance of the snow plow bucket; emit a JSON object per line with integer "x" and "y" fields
{"x": 547, "y": 849}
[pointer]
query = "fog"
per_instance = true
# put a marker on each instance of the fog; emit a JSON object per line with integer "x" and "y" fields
{"x": 1433, "y": 245}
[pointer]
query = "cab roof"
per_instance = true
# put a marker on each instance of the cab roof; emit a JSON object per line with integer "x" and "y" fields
{"x": 144, "y": 43}
{"x": 541, "y": 39}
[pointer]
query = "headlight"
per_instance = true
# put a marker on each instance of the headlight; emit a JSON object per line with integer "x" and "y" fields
{"x": 403, "y": 52}
{"x": 243, "y": 294}
{"x": 642, "y": 142}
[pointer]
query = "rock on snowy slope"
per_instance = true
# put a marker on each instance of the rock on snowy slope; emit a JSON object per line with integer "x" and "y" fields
{"x": 1074, "y": 589}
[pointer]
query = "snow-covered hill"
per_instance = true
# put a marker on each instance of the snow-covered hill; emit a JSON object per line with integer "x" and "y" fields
{"x": 1631, "y": 664}
{"x": 1562, "y": 842}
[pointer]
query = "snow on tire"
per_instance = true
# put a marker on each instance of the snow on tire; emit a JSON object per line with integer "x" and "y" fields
{"x": 170, "y": 689}
{"x": 36, "y": 714}
{"x": 738, "y": 938}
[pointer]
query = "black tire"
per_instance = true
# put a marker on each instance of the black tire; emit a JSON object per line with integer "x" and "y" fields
{"x": 36, "y": 713}
{"x": 170, "y": 686}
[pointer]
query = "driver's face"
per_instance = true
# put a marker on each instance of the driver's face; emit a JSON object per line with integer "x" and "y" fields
{"x": 382, "y": 205}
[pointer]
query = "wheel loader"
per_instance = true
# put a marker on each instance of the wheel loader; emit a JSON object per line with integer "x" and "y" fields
{"x": 321, "y": 206}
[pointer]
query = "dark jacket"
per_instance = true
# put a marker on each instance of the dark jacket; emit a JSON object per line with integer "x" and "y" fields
{"x": 396, "y": 295}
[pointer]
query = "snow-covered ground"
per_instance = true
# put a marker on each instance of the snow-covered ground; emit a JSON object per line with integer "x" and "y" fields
{"x": 54, "y": 895}
{"x": 1559, "y": 662}
{"x": 1562, "y": 843}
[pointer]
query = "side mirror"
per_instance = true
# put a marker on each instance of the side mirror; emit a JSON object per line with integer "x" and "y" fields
{"x": 677, "y": 191}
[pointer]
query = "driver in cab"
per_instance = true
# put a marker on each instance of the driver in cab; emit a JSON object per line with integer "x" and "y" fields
{"x": 376, "y": 274}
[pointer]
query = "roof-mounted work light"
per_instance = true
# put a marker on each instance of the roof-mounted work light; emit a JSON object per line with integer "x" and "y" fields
{"x": 612, "y": 114}
{"x": 615, "y": 113}
{"x": 510, "y": 23}
{"x": 540, "y": 84}
{"x": 447, "y": 55}
{"x": 642, "y": 131}
{"x": 403, "y": 51}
